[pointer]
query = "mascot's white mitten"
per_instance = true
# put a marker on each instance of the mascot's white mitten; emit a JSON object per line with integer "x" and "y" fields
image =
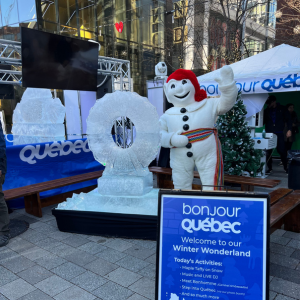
{"x": 178, "y": 140}
{"x": 226, "y": 76}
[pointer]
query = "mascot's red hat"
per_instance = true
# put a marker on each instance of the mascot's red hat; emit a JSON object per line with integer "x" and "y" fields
{"x": 187, "y": 74}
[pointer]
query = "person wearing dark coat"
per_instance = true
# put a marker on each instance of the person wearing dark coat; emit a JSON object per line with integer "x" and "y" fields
{"x": 276, "y": 119}
{"x": 295, "y": 124}
{"x": 4, "y": 218}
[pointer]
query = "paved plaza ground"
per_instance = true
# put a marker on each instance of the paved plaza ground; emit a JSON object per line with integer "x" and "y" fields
{"x": 44, "y": 263}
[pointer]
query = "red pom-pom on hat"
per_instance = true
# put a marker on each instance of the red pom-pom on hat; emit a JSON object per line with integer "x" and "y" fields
{"x": 180, "y": 74}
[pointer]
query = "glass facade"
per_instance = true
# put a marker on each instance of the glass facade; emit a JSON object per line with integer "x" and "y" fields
{"x": 141, "y": 40}
{"x": 263, "y": 12}
{"x": 272, "y": 12}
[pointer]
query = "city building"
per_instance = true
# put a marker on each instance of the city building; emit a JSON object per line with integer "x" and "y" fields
{"x": 191, "y": 34}
{"x": 211, "y": 34}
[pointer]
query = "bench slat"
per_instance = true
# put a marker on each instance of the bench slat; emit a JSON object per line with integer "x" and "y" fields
{"x": 278, "y": 194}
{"x": 49, "y": 185}
{"x": 262, "y": 182}
{"x": 283, "y": 207}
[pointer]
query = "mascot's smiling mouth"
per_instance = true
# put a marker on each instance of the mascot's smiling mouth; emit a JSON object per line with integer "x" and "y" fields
{"x": 181, "y": 97}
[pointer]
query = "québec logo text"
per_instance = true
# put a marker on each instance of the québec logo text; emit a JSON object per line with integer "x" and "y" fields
{"x": 30, "y": 153}
{"x": 210, "y": 224}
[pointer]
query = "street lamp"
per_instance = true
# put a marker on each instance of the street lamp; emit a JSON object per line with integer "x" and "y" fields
{"x": 297, "y": 29}
{"x": 278, "y": 14}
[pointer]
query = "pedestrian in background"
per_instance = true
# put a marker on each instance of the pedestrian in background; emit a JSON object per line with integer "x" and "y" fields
{"x": 4, "y": 218}
{"x": 295, "y": 124}
{"x": 276, "y": 119}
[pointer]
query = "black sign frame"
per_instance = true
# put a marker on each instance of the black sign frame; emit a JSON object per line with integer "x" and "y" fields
{"x": 211, "y": 193}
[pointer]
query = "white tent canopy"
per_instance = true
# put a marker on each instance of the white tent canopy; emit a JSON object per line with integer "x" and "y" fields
{"x": 272, "y": 71}
{"x": 283, "y": 59}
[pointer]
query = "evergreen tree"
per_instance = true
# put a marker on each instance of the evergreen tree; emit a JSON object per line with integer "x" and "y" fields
{"x": 239, "y": 155}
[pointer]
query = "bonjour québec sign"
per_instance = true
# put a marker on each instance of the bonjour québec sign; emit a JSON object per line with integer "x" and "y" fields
{"x": 212, "y": 246}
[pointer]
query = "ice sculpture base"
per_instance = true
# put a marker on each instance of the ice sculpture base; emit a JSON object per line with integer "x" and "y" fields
{"x": 126, "y": 185}
{"x": 95, "y": 214}
{"x": 41, "y": 130}
{"x": 93, "y": 201}
{"x": 27, "y": 139}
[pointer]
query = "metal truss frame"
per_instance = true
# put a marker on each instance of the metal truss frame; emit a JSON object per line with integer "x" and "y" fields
{"x": 123, "y": 132}
{"x": 10, "y": 54}
{"x": 119, "y": 69}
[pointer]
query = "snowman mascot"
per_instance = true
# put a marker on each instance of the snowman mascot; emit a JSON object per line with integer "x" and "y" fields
{"x": 188, "y": 127}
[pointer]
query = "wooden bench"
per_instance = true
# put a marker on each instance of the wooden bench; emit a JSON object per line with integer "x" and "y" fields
{"x": 285, "y": 210}
{"x": 34, "y": 205}
{"x": 285, "y": 203}
{"x": 31, "y": 193}
{"x": 164, "y": 180}
{"x": 279, "y": 194}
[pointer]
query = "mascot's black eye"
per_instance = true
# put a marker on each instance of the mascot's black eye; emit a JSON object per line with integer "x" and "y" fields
{"x": 173, "y": 86}
{"x": 163, "y": 64}
{"x": 184, "y": 81}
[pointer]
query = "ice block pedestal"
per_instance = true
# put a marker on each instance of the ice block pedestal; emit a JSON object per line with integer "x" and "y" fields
{"x": 125, "y": 185}
{"x": 116, "y": 216}
{"x": 125, "y": 202}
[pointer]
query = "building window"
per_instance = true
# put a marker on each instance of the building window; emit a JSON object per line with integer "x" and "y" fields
{"x": 253, "y": 47}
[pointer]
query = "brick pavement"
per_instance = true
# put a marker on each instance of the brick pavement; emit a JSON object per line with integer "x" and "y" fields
{"x": 44, "y": 263}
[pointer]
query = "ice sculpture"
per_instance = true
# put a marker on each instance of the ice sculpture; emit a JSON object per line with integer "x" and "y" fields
{"x": 126, "y": 185}
{"x": 38, "y": 118}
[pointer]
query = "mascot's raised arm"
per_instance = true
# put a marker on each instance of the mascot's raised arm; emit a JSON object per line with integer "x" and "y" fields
{"x": 188, "y": 127}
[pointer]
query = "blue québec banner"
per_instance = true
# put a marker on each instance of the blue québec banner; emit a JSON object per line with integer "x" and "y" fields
{"x": 35, "y": 163}
{"x": 212, "y": 248}
{"x": 259, "y": 85}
